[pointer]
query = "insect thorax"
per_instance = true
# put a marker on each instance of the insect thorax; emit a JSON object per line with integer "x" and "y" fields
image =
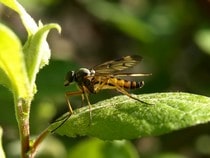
{"x": 82, "y": 73}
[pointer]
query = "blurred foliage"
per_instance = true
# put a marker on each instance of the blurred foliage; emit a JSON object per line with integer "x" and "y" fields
{"x": 172, "y": 36}
{"x": 100, "y": 149}
{"x": 2, "y": 154}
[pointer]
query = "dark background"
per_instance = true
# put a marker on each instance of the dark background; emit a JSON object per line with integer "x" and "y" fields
{"x": 172, "y": 36}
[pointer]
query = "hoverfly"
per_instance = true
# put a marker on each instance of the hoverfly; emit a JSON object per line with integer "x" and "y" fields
{"x": 104, "y": 76}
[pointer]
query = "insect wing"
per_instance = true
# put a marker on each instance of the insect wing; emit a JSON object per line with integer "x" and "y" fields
{"x": 113, "y": 66}
{"x": 132, "y": 74}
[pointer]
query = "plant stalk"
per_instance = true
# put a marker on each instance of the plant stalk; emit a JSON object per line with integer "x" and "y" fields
{"x": 22, "y": 114}
{"x": 38, "y": 141}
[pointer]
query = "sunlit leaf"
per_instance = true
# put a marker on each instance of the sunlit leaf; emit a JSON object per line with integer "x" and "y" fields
{"x": 36, "y": 50}
{"x": 27, "y": 20}
{"x": 12, "y": 65}
{"x": 125, "y": 118}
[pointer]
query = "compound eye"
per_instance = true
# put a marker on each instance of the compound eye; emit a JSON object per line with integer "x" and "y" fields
{"x": 69, "y": 78}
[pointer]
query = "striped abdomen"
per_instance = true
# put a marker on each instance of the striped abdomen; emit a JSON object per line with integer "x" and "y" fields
{"x": 124, "y": 83}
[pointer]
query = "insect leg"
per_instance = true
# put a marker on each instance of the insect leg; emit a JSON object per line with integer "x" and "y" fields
{"x": 68, "y": 94}
{"x": 83, "y": 98}
{"x": 123, "y": 91}
{"x": 97, "y": 89}
{"x": 100, "y": 83}
{"x": 88, "y": 101}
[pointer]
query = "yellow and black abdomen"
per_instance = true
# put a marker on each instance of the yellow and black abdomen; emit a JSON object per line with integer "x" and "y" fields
{"x": 124, "y": 83}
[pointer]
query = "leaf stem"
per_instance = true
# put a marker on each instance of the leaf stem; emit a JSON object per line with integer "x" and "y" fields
{"x": 38, "y": 141}
{"x": 22, "y": 113}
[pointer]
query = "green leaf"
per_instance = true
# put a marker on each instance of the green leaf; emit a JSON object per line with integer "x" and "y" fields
{"x": 13, "y": 73}
{"x": 2, "y": 154}
{"x": 36, "y": 50}
{"x": 125, "y": 118}
{"x": 27, "y": 20}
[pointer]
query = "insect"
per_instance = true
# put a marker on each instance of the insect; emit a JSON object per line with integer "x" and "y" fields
{"x": 104, "y": 76}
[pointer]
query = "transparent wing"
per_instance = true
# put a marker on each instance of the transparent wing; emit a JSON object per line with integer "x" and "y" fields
{"x": 113, "y": 66}
{"x": 132, "y": 74}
